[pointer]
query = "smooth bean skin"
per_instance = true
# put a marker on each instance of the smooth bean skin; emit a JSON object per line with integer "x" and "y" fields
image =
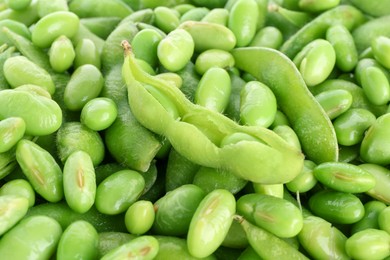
{"x": 53, "y": 25}
{"x": 61, "y": 54}
{"x": 375, "y": 144}
{"x": 85, "y": 84}
{"x": 350, "y": 127}
{"x": 368, "y": 244}
{"x": 375, "y": 83}
{"x": 372, "y": 211}
{"x": 111, "y": 239}
{"x": 19, "y": 70}
{"x": 380, "y": 49}
{"x": 79, "y": 240}
{"x": 175, "y": 50}
{"x": 334, "y": 102}
{"x": 139, "y": 217}
{"x": 117, "y": 192}
{"x": 172, "y": 78}
{"x": 86, "y": 52}
{"x": 268, "y": 36}
{"x": 214, "y": 89}
{"x": 13, "y": 208}
{"x": 344, "y": 177}
{"x": 305, "y": 180}
{"x": 18, "y": 4}
{"x": 378, "y": 9}
{"x": 166, "y": 19}
{"x": 384, "y": 219}
{"x": 337, "y": 207}
{"x": 213, "y": 58}
{"x": 143, "y": 247}
{"x": 79, "y": 181}
{"x": 145, "y": 44}
{"x": 276, "y": 215}
{"x": 41, "y": 169}
{"x": 19, "y": 187}
{"x": 210, "y": 223}
{"x": 217, "y": 15}
{"x": 288, "y": 134}
{"x": 50, "y": 6}
{"x": 12, "y": 129}
{"x": 99, "y": 113}
{"x": 382, "y": 186}
{"x": 40, "y": 236}
{"x": 164, "y": 101}
{"x": 195, "y": 14}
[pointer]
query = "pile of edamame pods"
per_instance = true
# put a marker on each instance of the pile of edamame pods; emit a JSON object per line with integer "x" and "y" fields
{"x": 193, "y": 129}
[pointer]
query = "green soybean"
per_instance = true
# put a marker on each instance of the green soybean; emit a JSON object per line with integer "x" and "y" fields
{"x": 368, "y": 244}
{"x": 46, "y": 7}
{"x": 195, "y": 14}
{"x": 288, "y": 134}
{"x": 166, "y": 19}
{"x": 382, "y": 177}
{"x": 305, "y": 180}
{"x": 371, "y": 219}
{"x": 61, "y": 54}
{"x": 383, "y": 219}
{"x": 88, "y": 8}
{"x": 111, "y": 239}
{"x": 213, "y": 58}
{"x": 139, "y": 217}
{"x": 99, "y": 113}
{"x": 13, "y": 208}
{"x": 16, "y": 27}
{"x": 12, "y": 129}
{"x": 268, "y": 36}
{"x": 145, "y": 44}
{"x": 21, "y": 188}
{"x": 101, "y": 26}
{"x": 18, "y": 4}
{"x": 217, "y": 15}
{"x": 317, "y": 6}
{"x": 380, "y": 49}
{"x": 143, "y": 247}
{"x": 335, "y": 102}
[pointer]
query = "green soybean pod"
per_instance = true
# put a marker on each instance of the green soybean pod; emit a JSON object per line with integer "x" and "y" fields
{"x": 242, "y": 21}
{"x": 372, "y": 211}
{"x": 210, "y": 35}
{"x": 142, "y": 247}
{"x": 351, "y": 126}
{"x": 167, "y": 104}
{"x": 145, "y": 44}
{"x": 41, "y": 169}
{"x": 13, "y": 208}
{"x": 337, "y": 207}
{"x": 288, "y": 134}
{"x": 213, "y": 58}
{"x": 61, "y": 54}
{"x": 305, "y": 180}
{"x": 166, "y": 19}
{"x": 74, "y": 136}
{"x": 195, "y": 14}
{"x": 46, "y": 7}
{"x": 382, "y": 186}
{"x": 12, "y": 129}
{"x": 101, "y": 26}
{"x": 118, "y": 191}
{"x": 375, "y": 144}
{"x": 210, "y": 223}
{"x": 268, "y": 36}
{"x": 79, "y": 240}
{"x": 21, "y": 188}
{"x": 344, "y": 177}
{"x": 40, "y": 236}
{"x": 334, "y": 102}
{"x": 99, "y": 113}
{"x": 344, "y": 46}
{"x": 217, "y": 15}
{"x": 85, "y": 84}
{"x": 368, "y": 244}
{"x": 258, "y": 104}
{"x": 214, "y": 89}
{"x": 276, "y": 215}
{"x": 79, "y": 181}
{"x": 380, "y": 49}
{"x": 19, "y": 70}
{"x": 384, "y": 218}
{"x": 175, "y": 50}
{"x": 53, "y": 25}
{"x": 139, "y": 217}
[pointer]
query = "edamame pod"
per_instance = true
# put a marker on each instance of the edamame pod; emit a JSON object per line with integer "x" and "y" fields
{"x": 139, "y": 217}
{"x": 99, "y": 113}
{"x": 61, "y": 54}
{"x": 213, "y": 58}
{"x": 334, "y": 102}
{"x": 11, "y": 131}
{"x": 368, "y": 244}
{"x": 13, "y": 208}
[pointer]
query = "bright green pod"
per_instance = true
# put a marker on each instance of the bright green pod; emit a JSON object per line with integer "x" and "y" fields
{"x": 41, "y": 169}
{"x": 384, "y": 219}
{"x": 242, "y": 21}
{"x": 145, "y": 44}
{"x": 46, "y": 7}
{"x": 258, "y": 104}
{"x": 12, "y": 129}
{"x": 368, "y": 244}
{"x": 18, "y": 5}
{"x": 86, "y": 53}
{"x": 79, "y": 181}
{"x": 19, "y": 70}
{"x": 372, "y": 211}
{"x": 61, "y": 54}
{"x": 288, "y": 134}
{"x": 40, "y": 236}
{"x": 217, "y": 15}
{"x": 139, "y": 217}
{"x": 103, "y": 8}
{"x": 14, "y": 26}
{"x": 210, "y": 223}
{"x": 344, "y": 46}
{"x": 143, "y": 247}
{"x": 118, "y": 191}
{"x": 99, "y": 113}
{"x": 74, "y": 136}
{"x": 276, "y": 215}
{"x": 210, "y": 35}
{"x": 13, "y": 208}
{"x": 305, "y": 180}
{"x": 21, "y": 188}
{"x": 268, "y": 36}
{"x": 78, "y": 241}
{"x": 85, "y": 84}
{"x": 195, "y": 14}
{"x": 334, "y": 102}
{"x": 213, "y": 58}
{"x": 53, "y": 25}
{"x": 175, "y": 50}
{"x": 321, "y": 239}
{"x": 375, "y": 144}
{"x": 167, "y": 104}
{"x": 214, "y": 89}
{"x": 382, "y": 186}
{"x": 175, "y": 209}
{"x": 166, "y": 19}
{"x": 375, "y": 84}
{"x": 351, "y": 126}
{"x": 337, "y": 207}
{"x": 316, "y": 61}
{"x": 381, "y": 49}
{"x": 210, "y": 179}
{"x": 344, "y": 177}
